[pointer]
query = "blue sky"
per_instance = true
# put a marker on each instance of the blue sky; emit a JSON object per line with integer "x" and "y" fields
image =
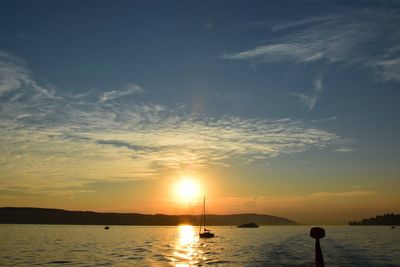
{"x": 280, "y": 102}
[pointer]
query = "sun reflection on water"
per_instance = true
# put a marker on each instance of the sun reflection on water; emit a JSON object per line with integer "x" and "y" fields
{"x": 186, "y": 251}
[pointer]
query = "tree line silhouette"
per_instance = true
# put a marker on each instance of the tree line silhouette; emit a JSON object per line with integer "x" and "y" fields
{"x": 386, "y": 219}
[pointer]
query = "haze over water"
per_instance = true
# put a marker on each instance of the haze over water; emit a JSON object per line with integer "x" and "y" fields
{"x": 29, "y": 245}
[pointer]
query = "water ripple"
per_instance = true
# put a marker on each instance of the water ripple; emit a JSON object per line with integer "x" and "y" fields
{"x": 28, "y": 245}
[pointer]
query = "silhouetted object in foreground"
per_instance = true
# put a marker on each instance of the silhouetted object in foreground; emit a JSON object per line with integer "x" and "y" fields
{"x": 106, "y": 227}
{"x": 317, "y": 233}
{"x": 386, "y": 219}
{"x": 206, "y": 233}
{"x": 248, "y": 225}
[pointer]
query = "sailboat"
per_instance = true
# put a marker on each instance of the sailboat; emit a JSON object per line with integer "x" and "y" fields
{"x": 206, "y": 233}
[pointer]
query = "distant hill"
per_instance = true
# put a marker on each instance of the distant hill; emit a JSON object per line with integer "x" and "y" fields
{"x": 386, "y": 219}
{"x": 58, "y": 216}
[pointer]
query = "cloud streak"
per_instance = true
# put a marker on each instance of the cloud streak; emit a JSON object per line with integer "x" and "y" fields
{"x": 13, "y": 74}
{"x": 343, "y": 37}
{"x": 127, "y": 90}
{"x": 345, "y": 149}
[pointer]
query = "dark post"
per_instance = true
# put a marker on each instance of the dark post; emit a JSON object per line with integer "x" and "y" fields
{"x": 317, "y": 233}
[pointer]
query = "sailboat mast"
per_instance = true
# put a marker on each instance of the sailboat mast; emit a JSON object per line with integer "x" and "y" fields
{"x": 204, "y": 214}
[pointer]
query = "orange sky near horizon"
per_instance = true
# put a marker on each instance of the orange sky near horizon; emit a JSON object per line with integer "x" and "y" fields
{"x": 161, "y": 196}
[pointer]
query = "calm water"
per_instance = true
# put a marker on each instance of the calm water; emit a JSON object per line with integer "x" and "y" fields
{"x": 27, "y": 245}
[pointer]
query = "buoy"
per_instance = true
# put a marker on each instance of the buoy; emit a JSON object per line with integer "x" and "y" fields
{"x": 317, "y": 233}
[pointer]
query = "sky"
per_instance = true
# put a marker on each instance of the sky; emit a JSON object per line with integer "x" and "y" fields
{"x": 287, "y": 108}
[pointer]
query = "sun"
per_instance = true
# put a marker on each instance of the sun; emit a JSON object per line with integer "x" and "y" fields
{"x": 187, "y": 189}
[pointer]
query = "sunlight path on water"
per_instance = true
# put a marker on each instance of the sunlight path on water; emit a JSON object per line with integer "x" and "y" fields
{"x": 77, "y": 245}
{"x": 186, "y": 250}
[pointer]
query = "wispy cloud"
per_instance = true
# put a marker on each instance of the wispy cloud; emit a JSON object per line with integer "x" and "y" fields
{"x": 279, "y": 52}
{"x": 126, "y": 90}
{"x": 13, "y": 74}
{"x": 388, "y": 69}
{"x": 344, "y": 194}
{"x": 16, "y": 81}
{"x": 309, "y": 101}
{"x": 301, "y": 23}
{"x": 345, "y": 149}
{"x": 117, "y": 143}
{"x": 50, "y": 139}
{"x": 364, "y": 38}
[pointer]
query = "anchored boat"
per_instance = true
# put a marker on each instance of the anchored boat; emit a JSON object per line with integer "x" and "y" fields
{"x": 203, "y": 231}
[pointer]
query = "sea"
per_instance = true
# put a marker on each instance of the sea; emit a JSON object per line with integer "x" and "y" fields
{"x": 75, "y": 245}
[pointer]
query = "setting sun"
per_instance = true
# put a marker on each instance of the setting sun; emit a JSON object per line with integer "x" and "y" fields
{"x": 187, "y": 189}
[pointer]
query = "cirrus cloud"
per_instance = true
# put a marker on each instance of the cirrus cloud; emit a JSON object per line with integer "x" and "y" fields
{"x": 50, "y": 139}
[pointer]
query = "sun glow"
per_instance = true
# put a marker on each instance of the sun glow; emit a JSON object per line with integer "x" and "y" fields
{"x": 188, "y": 189}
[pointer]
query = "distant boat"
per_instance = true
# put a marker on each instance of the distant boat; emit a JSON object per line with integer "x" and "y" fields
{"x": 393, "y": 227}
{"x": 206, "y": 232}
{"x": 248, "y": 225}
{"x": 106, "y": 227}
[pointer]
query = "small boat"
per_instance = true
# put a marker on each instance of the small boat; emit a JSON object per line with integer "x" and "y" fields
{"x": 206, "y": 232}
{"x": 393, "y": 227}
{"x": 248, "y": 225}
{"x": 106, "y": 227}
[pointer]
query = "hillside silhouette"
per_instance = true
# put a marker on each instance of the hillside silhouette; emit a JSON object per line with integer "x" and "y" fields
{"x": 10, "y": 215}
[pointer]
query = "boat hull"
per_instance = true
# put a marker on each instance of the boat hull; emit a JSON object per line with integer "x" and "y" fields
{"x": 206, "y": 235}
{"x": 248, "y": 225}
